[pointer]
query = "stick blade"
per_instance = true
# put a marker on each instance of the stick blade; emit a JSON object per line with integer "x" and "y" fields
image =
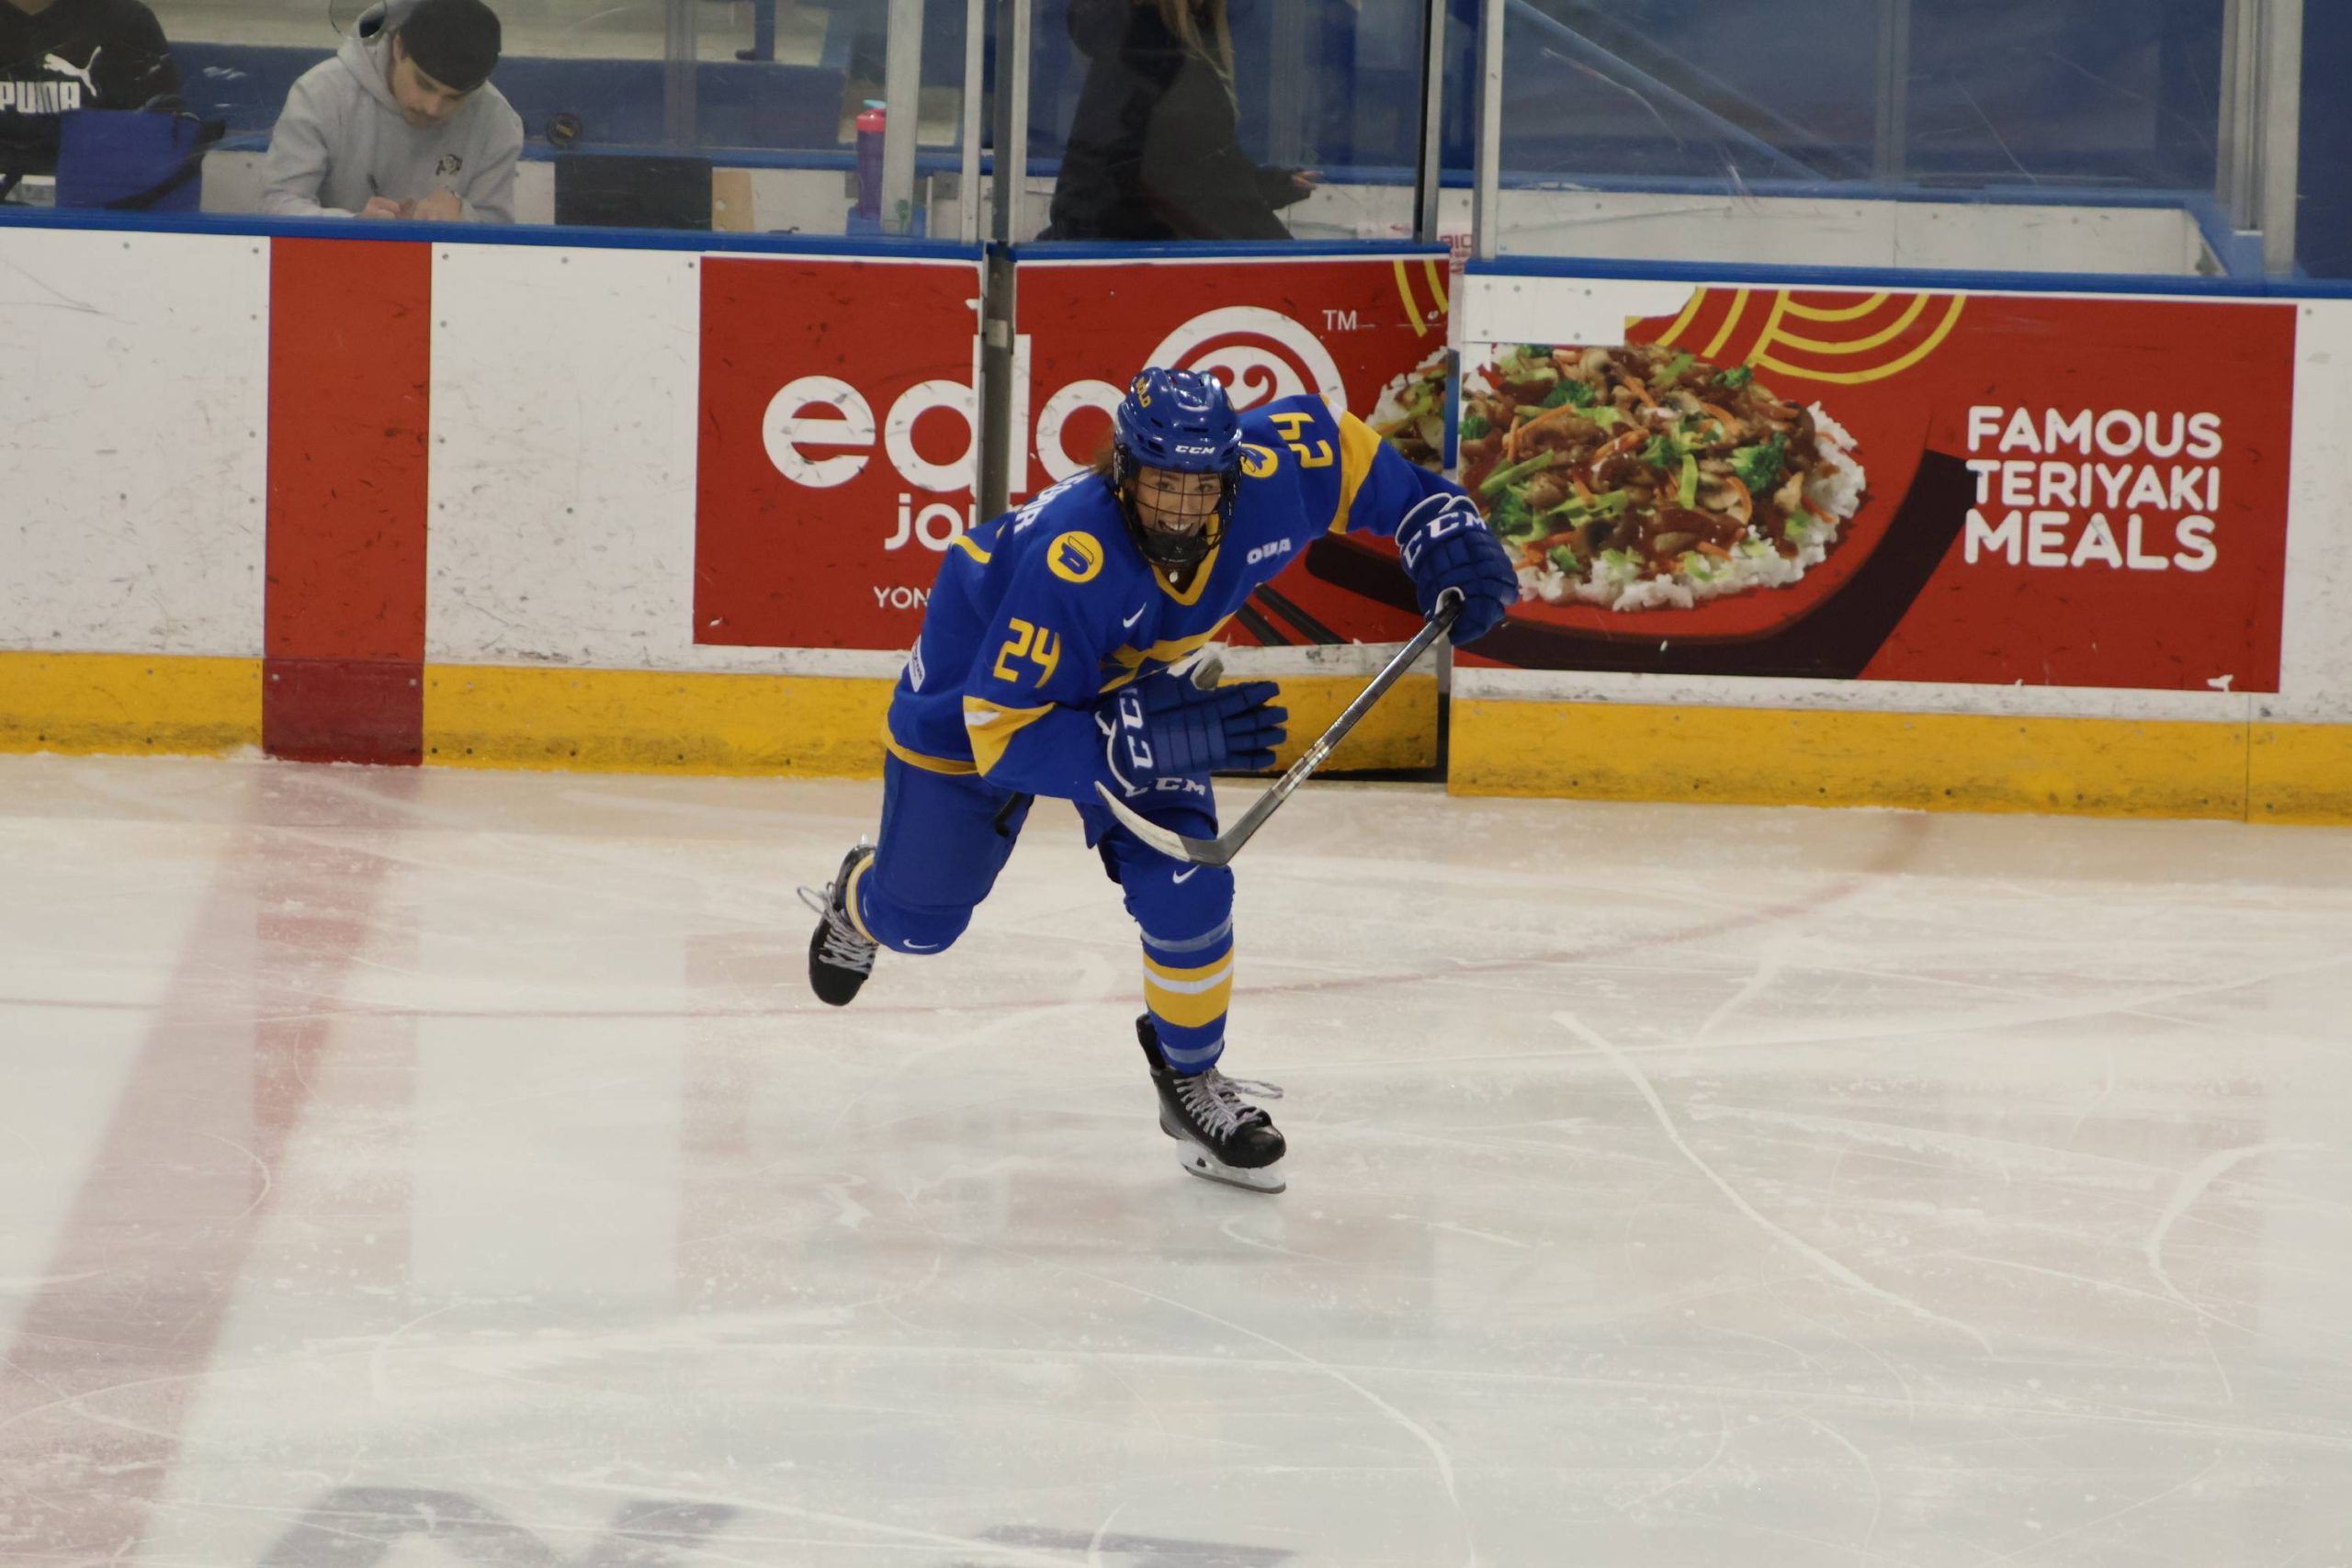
{"x": 1174, "y": 845}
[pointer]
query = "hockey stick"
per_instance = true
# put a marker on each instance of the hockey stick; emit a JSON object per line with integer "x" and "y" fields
{"x": 1227, "y": 844}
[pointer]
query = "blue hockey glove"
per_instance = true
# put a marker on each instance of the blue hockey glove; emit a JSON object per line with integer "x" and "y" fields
{"x": 1166, "y": 733}
{"x": 1447, "y": 545}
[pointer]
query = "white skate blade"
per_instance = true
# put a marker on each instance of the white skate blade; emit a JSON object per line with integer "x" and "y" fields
{"x": 1201, "y": 1163}
{"x": 1206, "y": 1166}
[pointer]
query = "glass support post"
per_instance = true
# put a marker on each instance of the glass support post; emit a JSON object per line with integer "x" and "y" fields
{"x": 2282, "y": 134}
{"x": 967, "y": 185}
{"x": 902, "y": 97}
{"x": 1893, "y": 91}
{"x": 1429, "y": 178}
{"x": 682, "y": 48}
{"x": 1485, "y": 219}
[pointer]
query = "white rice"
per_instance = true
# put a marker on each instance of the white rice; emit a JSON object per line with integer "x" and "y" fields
{"x": 1389, "y": 407}
{"x": 1835, "y": 493}
{"x": 1832, "y": 495}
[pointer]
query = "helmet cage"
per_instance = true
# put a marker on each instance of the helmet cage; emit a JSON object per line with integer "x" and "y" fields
{"x": 1178, "y": 422}
{"x": 1167, "y": 548}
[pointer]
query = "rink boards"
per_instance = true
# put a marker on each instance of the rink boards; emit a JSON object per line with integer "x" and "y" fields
{"x": 460, "y": 515}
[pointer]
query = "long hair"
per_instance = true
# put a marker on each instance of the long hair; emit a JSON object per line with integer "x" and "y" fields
{"x": 1201, "y": 26}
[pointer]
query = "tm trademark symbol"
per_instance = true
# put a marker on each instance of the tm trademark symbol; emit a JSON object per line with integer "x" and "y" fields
{"x": 1338, "y": 320}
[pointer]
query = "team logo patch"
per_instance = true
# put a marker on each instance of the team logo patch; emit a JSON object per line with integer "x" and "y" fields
{"x": 450, "y": 163}
{"x": 1257, "y": 462}
{"x": 1074, "y": 557}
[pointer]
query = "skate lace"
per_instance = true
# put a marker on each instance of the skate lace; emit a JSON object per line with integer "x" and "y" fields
{"x": 1209, "y": 1096}
{"x": 843, "y": 947}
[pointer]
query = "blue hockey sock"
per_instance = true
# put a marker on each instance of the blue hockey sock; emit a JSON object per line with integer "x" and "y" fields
{"x": 1188, "y": 985}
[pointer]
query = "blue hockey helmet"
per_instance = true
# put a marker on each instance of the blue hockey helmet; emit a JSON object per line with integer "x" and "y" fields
{"x": 1177, "y": 423}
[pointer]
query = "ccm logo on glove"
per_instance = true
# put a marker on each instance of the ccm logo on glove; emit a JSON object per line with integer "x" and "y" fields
{"x": 1132, "y": 730}
{"x": 1456, "y": 513}
{"x": 1166, "y": 736}
{"x": 1445, "y": 543}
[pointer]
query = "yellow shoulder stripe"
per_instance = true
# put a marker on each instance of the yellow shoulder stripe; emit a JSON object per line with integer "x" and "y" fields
{"x": 1358, "y": 447}
{"x": 970, "y": 547}
{"x": 992, "y": 726}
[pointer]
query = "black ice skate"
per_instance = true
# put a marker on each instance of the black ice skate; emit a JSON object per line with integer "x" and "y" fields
{"x": 1224, "y": 1137}
{"x": 840, "y": 955}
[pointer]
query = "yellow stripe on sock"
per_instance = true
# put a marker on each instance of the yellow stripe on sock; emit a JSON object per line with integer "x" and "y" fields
{"x": 1183, "y": 979}
{"x": 1190, "y": 998}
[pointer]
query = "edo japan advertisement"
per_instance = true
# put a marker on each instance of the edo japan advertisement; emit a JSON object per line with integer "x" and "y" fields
{"x": 835, "y": 449}
{"x": 1971, "y": 489}
{"x": 839, "y": 424}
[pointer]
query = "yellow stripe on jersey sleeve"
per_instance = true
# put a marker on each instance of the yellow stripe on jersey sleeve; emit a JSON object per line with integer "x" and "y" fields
{"x": 992, "y": 726}
{"x": 1358, "y": 447}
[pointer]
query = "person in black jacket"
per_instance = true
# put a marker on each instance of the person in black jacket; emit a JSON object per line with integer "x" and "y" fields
{"x": 1154, "y": 152}
{"x": 57, "y": 56}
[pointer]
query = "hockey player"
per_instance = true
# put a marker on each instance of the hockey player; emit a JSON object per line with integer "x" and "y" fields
{"x": 1044, "y": 666}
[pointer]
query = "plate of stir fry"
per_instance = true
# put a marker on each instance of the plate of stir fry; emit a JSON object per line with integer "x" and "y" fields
{"x": 1642, "y": 478}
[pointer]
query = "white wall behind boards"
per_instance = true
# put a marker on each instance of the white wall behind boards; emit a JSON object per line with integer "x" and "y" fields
{"x": 134, "y": 384}
{"x": 2315, "y": 681}
{"x": 566, "y": 390}
{"x": 563, "y": 456}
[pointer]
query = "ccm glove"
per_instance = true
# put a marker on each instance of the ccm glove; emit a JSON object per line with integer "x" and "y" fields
{"x": 1166, "y": 729}
{"x": 1447, "y": 545}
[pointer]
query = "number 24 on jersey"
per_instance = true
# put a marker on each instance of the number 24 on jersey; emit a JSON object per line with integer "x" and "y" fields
{"x": 1029, "y": 644}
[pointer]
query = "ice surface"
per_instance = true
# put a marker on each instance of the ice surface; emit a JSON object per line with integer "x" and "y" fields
{"x": 424, "y": 1168}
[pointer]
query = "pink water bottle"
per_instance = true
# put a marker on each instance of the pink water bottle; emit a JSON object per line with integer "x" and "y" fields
{"x": 870, "y": 121}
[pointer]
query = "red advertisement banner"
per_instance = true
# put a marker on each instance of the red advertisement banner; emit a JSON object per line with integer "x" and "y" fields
{"x": 1353, "y": 328}
{"x": 838, "y": 430}
{"x": 1971, "y": 489}
{"x": 837, "y": 421}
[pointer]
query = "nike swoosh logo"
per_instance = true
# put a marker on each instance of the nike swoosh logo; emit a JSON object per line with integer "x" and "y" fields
{"x": 923, "y": 947}
{"x": 1128, "y": 625}
{"x": 1183, "y": 873}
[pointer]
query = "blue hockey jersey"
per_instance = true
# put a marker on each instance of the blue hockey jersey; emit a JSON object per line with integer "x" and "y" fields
{"x": 1036, "y": 614}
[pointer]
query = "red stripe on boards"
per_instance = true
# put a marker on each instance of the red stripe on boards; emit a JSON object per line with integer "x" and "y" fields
{"x": 350, "y": 417}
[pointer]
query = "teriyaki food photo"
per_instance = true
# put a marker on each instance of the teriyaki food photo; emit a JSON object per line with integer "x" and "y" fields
{"x": 1642, "y": 477}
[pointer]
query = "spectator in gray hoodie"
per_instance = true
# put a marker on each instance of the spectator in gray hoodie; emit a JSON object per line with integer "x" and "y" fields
{"x": 401, "y": 123}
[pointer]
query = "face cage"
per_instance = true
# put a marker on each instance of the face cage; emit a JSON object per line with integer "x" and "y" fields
{"x": 1174, "y": 552}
